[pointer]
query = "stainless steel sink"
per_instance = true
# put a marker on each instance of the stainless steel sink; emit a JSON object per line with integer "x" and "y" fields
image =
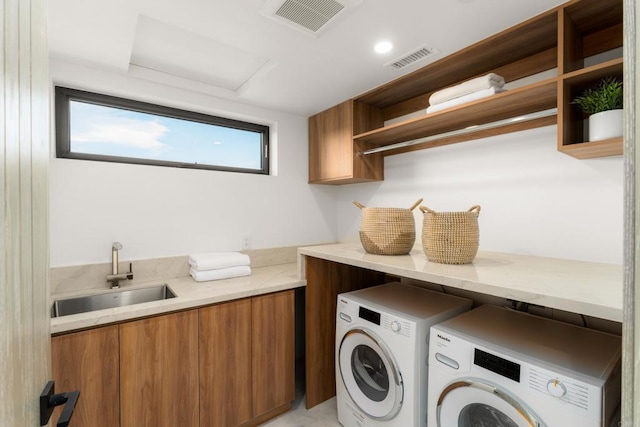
{"x": 65, "y": 307}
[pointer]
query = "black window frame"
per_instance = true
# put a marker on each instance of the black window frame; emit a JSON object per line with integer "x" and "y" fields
{"x": 63, "y": 96}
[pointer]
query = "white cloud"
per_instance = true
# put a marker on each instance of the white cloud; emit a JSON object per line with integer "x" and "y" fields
{"x": 134, "y": 133}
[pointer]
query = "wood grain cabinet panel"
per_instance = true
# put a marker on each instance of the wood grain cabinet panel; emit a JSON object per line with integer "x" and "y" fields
{"x": 273, "y": 352}
{"x": 225, "y": 364}
{"x": 247, "y": 360}
{"x": 159, "y": 371}
{"x": 230, "y": 364}
{"x": 88, "y": 361}
{"x": 325, "y": 280}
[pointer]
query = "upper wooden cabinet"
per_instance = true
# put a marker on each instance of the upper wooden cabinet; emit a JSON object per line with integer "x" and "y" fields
{"x": 334, "y": 156}
{"x": 546, "y": 61}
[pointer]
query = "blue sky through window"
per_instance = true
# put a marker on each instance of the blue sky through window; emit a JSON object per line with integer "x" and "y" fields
{"x": 96, "y": 129}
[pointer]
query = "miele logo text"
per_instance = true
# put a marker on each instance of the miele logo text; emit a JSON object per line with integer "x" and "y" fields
{"x": 444, "y": 338}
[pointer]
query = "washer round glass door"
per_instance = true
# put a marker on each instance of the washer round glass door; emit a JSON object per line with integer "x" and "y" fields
{"x": 475, "y": 403}
{"x": 370, "y": 374}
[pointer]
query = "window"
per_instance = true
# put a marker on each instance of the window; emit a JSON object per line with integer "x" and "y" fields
{"x": 91, "y": 126}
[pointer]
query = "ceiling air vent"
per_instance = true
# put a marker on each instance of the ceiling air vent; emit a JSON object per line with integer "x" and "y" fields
{"x": 412, "y": 57}
{"x": 310, "y": 14}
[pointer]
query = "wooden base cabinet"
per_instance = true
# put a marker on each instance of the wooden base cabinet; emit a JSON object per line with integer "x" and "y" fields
{"x": 225, "y": 364}
{"x": 89, "y": 361}
{"x": 230, "y": 364}
{"x": 247, "y": 360}
{"x": 273, "y": 352}
{"x": 159, "y": 371}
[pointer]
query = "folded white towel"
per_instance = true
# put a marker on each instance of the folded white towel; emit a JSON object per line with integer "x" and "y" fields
{"x": 465, "y": 99}
{"x": 217, "y": 260}
{"x": 221, "y": 273}
{"x": 470, "y": 86}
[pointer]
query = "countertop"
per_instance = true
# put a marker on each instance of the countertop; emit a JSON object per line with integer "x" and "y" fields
{"x": 593, "y": 289}
{"x": 189, "y": 294}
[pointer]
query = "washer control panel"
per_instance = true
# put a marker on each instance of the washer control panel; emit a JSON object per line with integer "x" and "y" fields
{"x": 556, "y": 388}
{"x": 397, "y": 325}
{"x": 569, "y": 390}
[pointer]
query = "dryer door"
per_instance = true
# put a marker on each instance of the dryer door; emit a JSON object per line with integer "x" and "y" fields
{"x": 475, "y": 403}
{"x": 370, "y": 374}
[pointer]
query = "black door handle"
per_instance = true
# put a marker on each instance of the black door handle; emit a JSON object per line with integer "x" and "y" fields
{"x": 49, "y": 400}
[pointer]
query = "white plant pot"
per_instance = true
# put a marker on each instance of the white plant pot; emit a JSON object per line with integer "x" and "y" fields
{"x": 605, "y": 125}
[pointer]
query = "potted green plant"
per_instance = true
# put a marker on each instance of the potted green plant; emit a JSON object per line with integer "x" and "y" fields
{"x": 603, "y": 104}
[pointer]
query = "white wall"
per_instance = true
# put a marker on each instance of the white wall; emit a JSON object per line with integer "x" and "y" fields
{"x": 158, "y": 211}
{"x": 534, "y": 199}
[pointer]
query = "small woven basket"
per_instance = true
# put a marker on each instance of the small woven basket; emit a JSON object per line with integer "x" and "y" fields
{"x": 450, "y": 237}
{"x": 387, "y": 231}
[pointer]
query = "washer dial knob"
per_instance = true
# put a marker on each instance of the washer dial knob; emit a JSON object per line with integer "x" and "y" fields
{"x": 556, "y": 388}
{"x": 395, "y": 326}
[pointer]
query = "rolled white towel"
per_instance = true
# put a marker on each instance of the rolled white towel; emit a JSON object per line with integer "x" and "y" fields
{"x": 217, "y": 260}
{"x": 470, "y": 86}
{"x": 465, "y": 99}
{"x": 221, "y": 273}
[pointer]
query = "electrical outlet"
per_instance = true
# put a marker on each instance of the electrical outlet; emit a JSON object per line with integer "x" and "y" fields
{"x": 246, "y": 242}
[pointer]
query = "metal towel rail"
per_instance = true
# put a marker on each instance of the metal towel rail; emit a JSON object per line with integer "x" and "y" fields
{"x": 467, "y": 130}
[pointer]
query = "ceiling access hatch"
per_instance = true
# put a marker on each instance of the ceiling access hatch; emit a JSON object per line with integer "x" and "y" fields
{"x": 180, "y": 53}
{"x": 308, "y": 16}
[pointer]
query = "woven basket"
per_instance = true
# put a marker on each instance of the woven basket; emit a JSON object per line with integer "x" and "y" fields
{"x": 387, "y": 231}
{"x": 450, "y": 237}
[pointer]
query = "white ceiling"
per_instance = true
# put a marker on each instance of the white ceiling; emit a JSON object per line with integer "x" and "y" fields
{"x": 232, "y": 49}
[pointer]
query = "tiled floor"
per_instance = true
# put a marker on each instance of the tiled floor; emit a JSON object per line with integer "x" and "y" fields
{"x": 322, "y": 415}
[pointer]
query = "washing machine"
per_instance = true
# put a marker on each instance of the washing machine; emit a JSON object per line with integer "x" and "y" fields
{"x": 382, "y": 350}
{"x": 496, "y": 367}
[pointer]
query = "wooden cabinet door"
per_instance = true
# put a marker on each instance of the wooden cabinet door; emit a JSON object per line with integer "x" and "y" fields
{"x": 225, "y": 364}
{"x": 334, "y": 157}
{"x": 159, "y": 371}
{"x": 88, "y": 361}
{"x": 273, "y": 352}
{"x": 331, "y": 144}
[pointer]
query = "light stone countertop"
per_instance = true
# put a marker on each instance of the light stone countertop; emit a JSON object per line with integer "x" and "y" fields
{"x": 189, "y": 294}
{"x": 592, "y": 289}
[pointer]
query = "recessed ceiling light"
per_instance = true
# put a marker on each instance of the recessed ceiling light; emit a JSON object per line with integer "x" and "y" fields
{"x": 383, "y": 47}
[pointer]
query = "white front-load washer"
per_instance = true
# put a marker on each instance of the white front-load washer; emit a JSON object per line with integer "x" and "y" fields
{"x": 382, "y": 350}
{"x": 497, "y": 367}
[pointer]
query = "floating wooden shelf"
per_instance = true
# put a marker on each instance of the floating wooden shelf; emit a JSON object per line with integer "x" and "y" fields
{"x": 510, "y": 104}
{"x": 595, "y": 72}
{"x": 590, "y": 150}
